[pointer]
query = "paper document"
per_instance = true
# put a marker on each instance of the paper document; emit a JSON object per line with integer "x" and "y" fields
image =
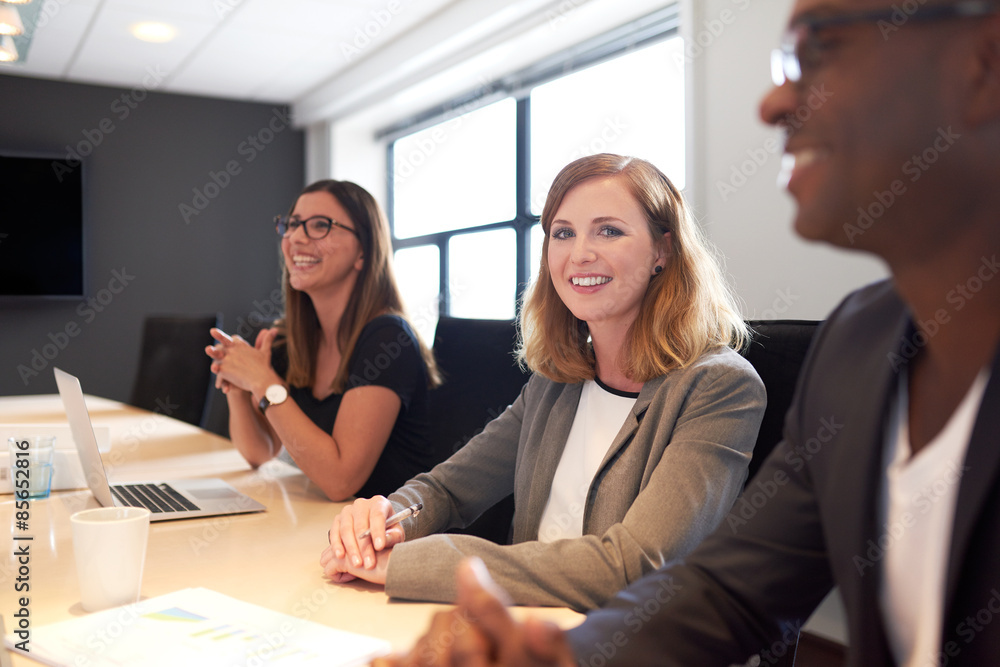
{"x": 197, "y": 626}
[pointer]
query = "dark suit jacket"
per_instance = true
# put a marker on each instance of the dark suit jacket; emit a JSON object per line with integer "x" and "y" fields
{"x": 810, "y": 519}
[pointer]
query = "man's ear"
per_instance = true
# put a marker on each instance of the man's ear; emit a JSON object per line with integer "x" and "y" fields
{"x": 984, "y": 106}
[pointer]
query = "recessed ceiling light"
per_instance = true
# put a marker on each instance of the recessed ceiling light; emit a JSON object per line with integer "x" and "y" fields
{"x": 10, "y": 21}
{"x": 151, "y": 31}
{"x": 8, "y": 52}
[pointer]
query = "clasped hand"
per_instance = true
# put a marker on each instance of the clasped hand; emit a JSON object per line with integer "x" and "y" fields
{"x": 236, "y": 364}
{"x": 347, "y": 557}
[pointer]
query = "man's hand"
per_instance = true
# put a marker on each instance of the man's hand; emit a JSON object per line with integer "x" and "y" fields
{"x": 480, "y": 632}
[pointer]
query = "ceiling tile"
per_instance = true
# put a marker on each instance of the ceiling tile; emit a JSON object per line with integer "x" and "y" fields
{"x": 57, "y": 34}
{"x": 235, "y": 61}
{"x": 206, "y": 10}
{"x": 112, "y": 55}
{"x": 263, "y": 50}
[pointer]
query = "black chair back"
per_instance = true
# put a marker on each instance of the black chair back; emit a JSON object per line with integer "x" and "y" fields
{"x": 481, "y": 378}
{"x": 776, "y": 351}
{"x": 174, "y": 376}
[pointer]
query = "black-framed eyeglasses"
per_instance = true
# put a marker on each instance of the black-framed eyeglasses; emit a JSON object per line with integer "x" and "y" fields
{"x": 801, "y": 51}
{"x": 317, "y": 227}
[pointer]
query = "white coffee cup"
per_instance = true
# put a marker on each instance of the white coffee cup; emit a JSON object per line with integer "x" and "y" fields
{"x": 110, "y": 548}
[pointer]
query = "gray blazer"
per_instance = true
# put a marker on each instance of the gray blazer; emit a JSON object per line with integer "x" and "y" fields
{"x": 671, "y": 475}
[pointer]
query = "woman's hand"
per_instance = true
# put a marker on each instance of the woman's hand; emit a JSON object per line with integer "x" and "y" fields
{"x": 364, "y": 514}
{"x": 239, "y": 366}
{"x": 340, "y": 570}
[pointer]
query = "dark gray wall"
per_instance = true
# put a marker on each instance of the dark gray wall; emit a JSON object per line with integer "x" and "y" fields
{"x": 148, "y": 152}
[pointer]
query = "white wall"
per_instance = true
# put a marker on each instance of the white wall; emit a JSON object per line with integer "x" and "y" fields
{"x": 776, "y": 273}
{"x": 727, "y": 66}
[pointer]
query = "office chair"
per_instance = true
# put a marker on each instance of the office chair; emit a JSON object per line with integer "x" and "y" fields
{"x": 174, "y": 375}
{"x": 481, "y": 378}
{"x": 776, "y": 351}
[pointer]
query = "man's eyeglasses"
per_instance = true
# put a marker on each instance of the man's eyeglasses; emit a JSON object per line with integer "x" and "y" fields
{"x": 801, "y": 51}
{"x": 317, "y": 227}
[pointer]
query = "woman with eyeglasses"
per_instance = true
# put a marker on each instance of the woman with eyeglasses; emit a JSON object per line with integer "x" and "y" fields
{"x": 339, "y": 387}
{"x": 630, "y": 442}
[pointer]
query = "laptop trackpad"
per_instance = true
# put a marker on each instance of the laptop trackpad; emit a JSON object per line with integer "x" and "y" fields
{"x": 219, "y": 493}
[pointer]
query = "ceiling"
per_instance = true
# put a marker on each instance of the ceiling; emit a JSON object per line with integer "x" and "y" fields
{"x": 274, "y": 51}
{"x": 327, "y": 59}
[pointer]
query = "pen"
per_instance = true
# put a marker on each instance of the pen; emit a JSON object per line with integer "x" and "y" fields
{"x": 412, "y": 510}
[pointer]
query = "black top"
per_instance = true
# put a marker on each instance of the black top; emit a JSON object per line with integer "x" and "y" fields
{"x": 385, "y": 355}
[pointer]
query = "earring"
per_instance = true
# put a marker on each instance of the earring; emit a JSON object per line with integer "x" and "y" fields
{"x": 657, "y": 269}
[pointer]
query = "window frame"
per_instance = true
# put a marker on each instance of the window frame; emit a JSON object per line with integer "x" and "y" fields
{"x": 659, "y": 26}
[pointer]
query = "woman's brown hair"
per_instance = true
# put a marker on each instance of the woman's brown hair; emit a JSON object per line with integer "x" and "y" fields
{"x": 375, "y": 293}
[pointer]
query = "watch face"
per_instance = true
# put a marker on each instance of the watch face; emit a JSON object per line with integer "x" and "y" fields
{"x": 276, "y": 393}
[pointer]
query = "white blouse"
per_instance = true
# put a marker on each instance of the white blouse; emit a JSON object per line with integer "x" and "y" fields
{"x": 600, "y": 415}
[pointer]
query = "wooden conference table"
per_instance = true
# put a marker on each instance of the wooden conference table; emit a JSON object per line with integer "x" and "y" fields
{"x": 270, "y": 558}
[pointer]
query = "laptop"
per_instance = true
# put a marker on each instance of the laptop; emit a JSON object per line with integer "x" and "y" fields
{"x": 166, "y": 500}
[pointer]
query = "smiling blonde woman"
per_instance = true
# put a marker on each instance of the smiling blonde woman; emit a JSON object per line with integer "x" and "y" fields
{"x": 631, "y": 440}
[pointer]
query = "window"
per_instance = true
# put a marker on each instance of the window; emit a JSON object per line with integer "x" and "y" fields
{"x": 469, "y": 181}
{"x": 456, "y": 174}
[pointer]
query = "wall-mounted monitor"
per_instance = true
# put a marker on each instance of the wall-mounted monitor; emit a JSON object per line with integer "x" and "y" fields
{"x": 41, "y": 226}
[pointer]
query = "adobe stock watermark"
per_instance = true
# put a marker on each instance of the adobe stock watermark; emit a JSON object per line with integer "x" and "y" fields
{"x": 365, "y": 35}
{"x": 923, "y": 503}
{"x": 968, "y": 629}
{"x": 248, "y": 149}
{"x": 420, "y": 149}
{"x": 87, "y": 311}
{"x": 559, "y": 15}
{"x": 957, "y": 298}
{"x": 776, "y": 652}
{"x": 214, "y": 528}
{"x": 264, "y": 313}
{"x": 742, "y": 172}
{"x": 707, "y": 34}
{"x": 635, "y": 619}
{"x": 602, "y": 141}
{"x": 445, "y": 639}
{"x": 760, "y": 492}
{"x": 914, "y": 168}
{"x": 782, "y": 302}
{"x": 611, "y": 131}
{"x": 224, "y": 7}
{"x": 136, "y": 434}
{"x": 557, "y": 525}
{"x": 121, "y": 108}
{"x": 373, "y": 367}
{"x": 259, "y": 649}
{"x": 901, "y": 14}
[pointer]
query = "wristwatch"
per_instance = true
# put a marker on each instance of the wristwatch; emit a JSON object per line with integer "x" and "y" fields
{"x": 273, "y": 395}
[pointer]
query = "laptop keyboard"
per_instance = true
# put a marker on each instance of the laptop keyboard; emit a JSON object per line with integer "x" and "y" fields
{"x": 157, "y": 498}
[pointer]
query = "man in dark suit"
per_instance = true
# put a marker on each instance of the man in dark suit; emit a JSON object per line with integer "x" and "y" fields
{"x": 887, "y": 483}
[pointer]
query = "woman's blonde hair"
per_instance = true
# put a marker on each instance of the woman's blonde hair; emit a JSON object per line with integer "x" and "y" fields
{"x": 375, "y": 293}
{"x": 687, "y": 309}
